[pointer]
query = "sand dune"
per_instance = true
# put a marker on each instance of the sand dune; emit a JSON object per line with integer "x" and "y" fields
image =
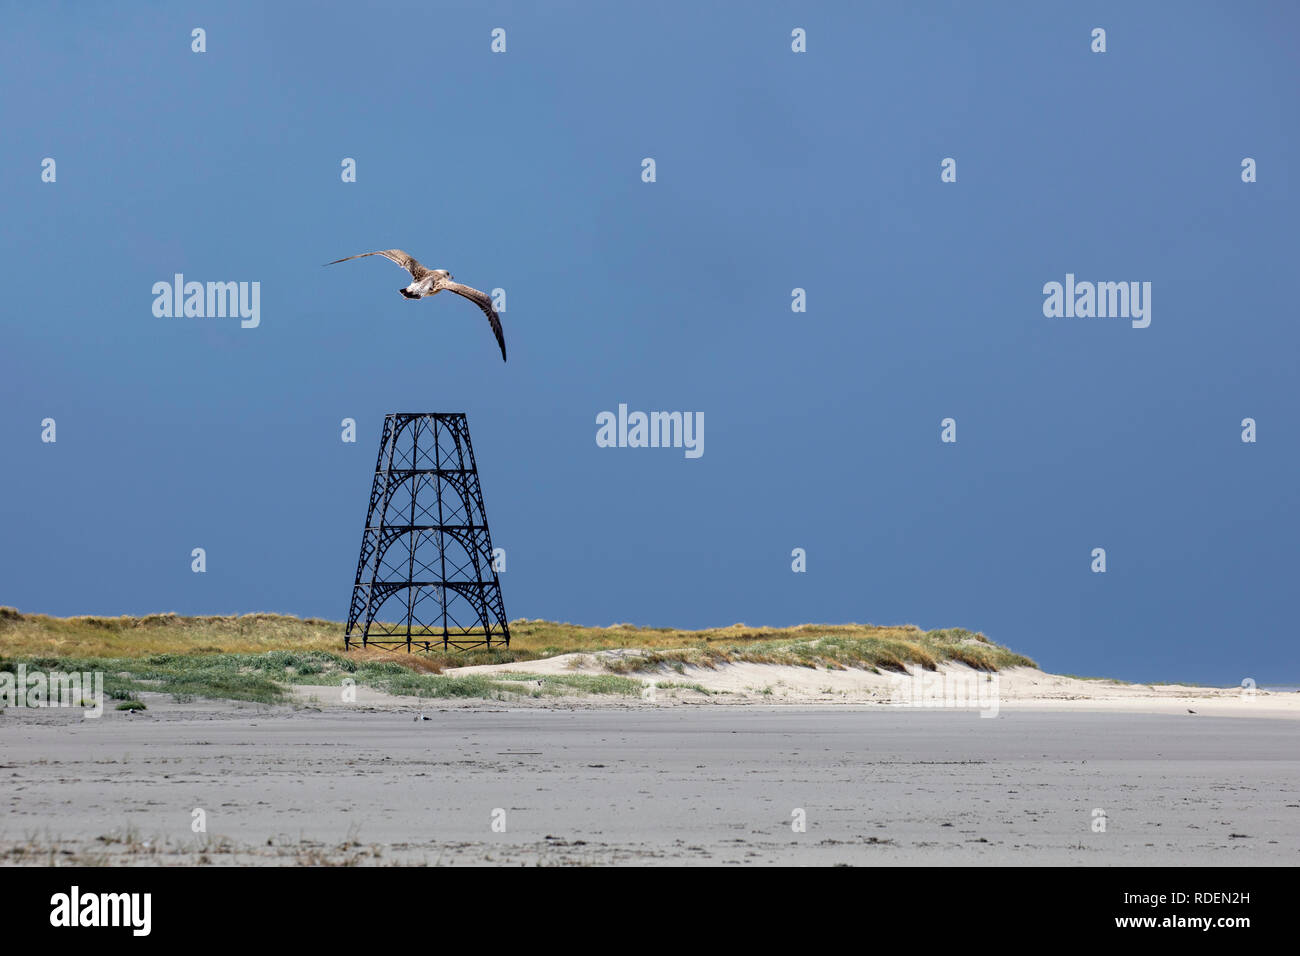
{"x": 953, "y": 686}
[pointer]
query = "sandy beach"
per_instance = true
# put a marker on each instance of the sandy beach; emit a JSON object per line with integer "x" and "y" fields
{"x": 1123, "y": 775}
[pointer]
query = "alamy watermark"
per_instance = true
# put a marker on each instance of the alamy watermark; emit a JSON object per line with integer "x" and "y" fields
{"x": 21, "y": 688}
{"x": 212, "y": 300}
{"x": 1102, "y": 300}
{"x": 75, "y": 908}
{"x": 653, "y": 430}
{"x": 973, "y": 691}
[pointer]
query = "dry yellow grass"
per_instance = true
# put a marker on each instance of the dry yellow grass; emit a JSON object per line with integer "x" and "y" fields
{"x": 824, "y": 645}
{"x": 39, "y": 635}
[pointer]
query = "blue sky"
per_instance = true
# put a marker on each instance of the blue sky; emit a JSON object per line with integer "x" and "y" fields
{"x": 775, "y": 170}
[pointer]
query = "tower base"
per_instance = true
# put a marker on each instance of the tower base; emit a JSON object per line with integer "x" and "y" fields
{"x": 426, "y": 576}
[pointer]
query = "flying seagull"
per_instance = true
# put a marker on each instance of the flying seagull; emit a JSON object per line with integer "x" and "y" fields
{"x": 431, "y": 282}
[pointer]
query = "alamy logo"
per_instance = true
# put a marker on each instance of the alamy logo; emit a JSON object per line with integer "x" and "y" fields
{"x": 102, "y": 909}
{"x": 655, "y": 430}
{"x": 977, "y": 690}
{"x": 1103, "y": 300}
{"x": 213, "y": 300}
{"x": 18, "y": 688}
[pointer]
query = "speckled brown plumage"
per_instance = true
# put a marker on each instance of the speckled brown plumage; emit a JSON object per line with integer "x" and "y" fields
{"x": 432, "y": 281}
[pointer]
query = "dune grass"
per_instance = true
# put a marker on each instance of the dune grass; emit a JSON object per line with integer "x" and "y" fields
{"x": 255, "y": 657}
{"x": 835, "y": 648}
{"x": 88, "y": 636}
{"x": 267, "y": 677}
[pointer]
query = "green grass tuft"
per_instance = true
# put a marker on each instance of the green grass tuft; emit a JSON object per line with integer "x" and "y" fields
{"x": 258, "y": 657}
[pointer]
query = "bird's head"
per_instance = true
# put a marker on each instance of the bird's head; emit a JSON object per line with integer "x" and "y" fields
{"x": 443, "y": 273}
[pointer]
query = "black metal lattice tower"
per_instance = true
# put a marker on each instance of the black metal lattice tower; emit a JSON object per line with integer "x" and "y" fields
{"x": 426, "y": 574}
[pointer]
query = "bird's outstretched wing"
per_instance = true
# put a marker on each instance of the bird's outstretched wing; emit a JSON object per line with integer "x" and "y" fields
{"x": 408, "y": 263}
{"x": 484, "y": 302}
